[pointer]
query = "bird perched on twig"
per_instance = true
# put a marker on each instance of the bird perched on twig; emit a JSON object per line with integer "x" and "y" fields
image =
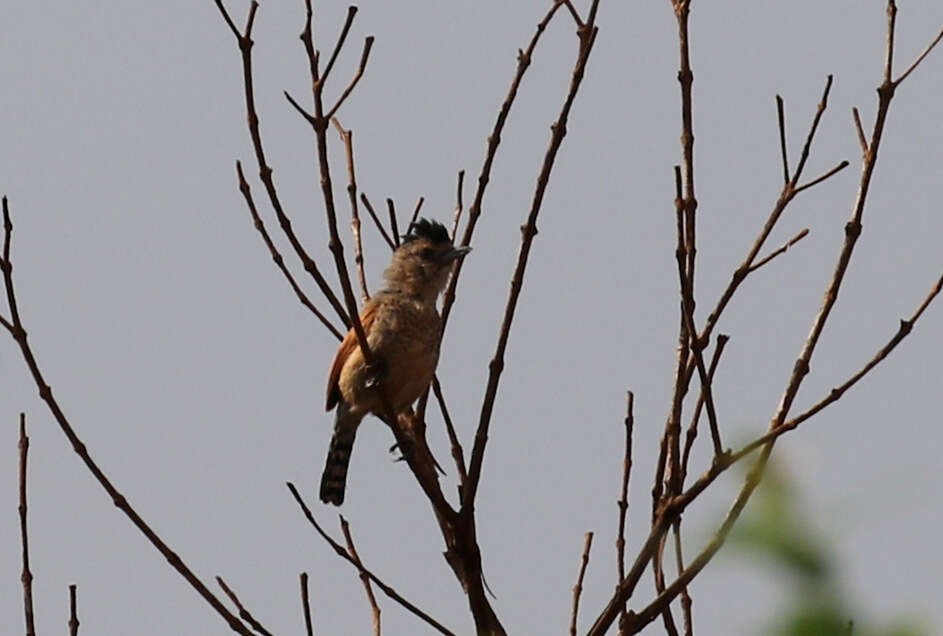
{"x": 403, "y": 330}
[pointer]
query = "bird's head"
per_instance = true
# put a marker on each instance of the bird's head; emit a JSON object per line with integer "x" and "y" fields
{"x": 422, "y": 263}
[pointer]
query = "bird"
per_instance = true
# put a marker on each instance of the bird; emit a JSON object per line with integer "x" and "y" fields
{"x": 403, "y": 330}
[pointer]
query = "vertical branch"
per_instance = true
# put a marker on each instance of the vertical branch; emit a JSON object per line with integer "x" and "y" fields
{"x": 686, "y": 79}
{"x": 306, "y": 604}
{"x": 578, "y": 588}
{"x": 459, "y": 204}
{"x": 624, "y": 499}
{"x": 685, "y": 596}
{"x": 347, "y": 136}
{"x": 27, "y": 576}
{"x": 73, "y": 613}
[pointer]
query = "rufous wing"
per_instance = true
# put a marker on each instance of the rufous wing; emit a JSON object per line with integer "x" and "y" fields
{"x": 347, "y": 347}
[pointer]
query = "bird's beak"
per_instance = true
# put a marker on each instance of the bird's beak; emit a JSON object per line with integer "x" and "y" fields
{"x": 456, "y": 253}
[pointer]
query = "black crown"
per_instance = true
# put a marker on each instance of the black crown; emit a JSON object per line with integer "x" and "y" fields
{"x": 429, "y": 230}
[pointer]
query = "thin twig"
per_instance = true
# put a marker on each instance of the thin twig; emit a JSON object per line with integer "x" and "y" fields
{"x": 306, "y": 604}
{"x": 524, "y": 58}
{"x": 841, "y": 166}
{"x": 574, "y": 13}
{"x": 73, "y": 612}
{"x": 578, "y": 588}
{"x": 348, "y": 22}
{"x": 340, "y": 551}
{"x": 458, "y": 453}
{"x": 394, "y": 226}
{"x": 782, "y": 250}
{"x": 861, "y": 138}
{"x": 245, "y": 43}
{"x": 367, "y": 45}
{"x": 374, "y": 608}
{"x": 919, "y": 59}
{"x": 801, "y": 369}
{"x": 459, "y": 205}
{"x": 528, "y": 231}
{"x": 691, "y": 434}
{"x": 45, "y": 392}
{"x": 26, "y": 578}
{"x": 276, "y": 255}
{"x": 415, "y": 215}
{"x": 624, "y": 496}
{"x": 785, "y": 198}
{"x": 685, "y": 596}
{"x": 782, "y": 137}
{"x": 376, "y": 221}
{"x": 244, "y": 614}
{"x": 347, "y": 136}
{"x": 696, "y": 348}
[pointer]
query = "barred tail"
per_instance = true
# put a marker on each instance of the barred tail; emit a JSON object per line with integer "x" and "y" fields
{"x": 334, "y": 479}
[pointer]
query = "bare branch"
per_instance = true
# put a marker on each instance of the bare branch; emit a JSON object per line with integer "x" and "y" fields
{"x": 347, "y": 136}
{"x": 685, "y": 596}
{"x": 276, "y": 255}
{"x": 415, "y": 215}
{"x": 807, "y": 147}
{"x": 459, "y": 205}
{"x": 244, "y": 614}
{"x": 394, "y": 226}
{"x": 574, "y": 13}
{"x": 73, "y": 612}
{"x": 578, "y": 588}
{"x": 801, "y": 369}
{"x": 306, "y": 604}
{"x": 782, "y": 250}
{"x": 26, "y": 578}
{"x": 374, "y": 608}
{"x": 245, "y": 43}
{"x": 782, "y": 138}
{"x": 340, "y": 551}
{"x": 917, "y": 62}
{"x": 722, "y": 340}
{"x": 494, "y": 140}
{"x": 351, "y": 12}
{"x": 45, "y": 392}
{"x": 861, "y": 138}
{"x": 458, "y": 453}
{"x": 841, "y": 166}
{"x": 624, "y": 497}
{"x": 786, "y": 196}
{"x": 376, "y": 221}
{"x": 367, "y": 45}
{"x": 528, "y": 231}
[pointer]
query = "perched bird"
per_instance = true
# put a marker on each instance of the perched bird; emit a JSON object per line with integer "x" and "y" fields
{"x": 403, "y": 330}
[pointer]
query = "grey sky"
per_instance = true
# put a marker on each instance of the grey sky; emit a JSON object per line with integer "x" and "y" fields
{"x": 196, "y": 379}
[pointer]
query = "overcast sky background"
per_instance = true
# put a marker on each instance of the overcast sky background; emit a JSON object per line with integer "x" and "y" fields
{"x": 197, "y": 379}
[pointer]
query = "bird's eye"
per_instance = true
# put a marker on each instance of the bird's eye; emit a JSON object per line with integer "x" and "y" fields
{"x": 427, "y": 254}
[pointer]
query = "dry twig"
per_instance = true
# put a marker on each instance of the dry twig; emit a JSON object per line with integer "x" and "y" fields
{"x": 374, "y": 608}
{"x": 18, "y": 332}
{"x": 73, "y": 613}
{"x": 340, "y": 551}
{"x": 306, "y": 604}
{"x": 26, "y": 578}
{"x": 244, "y": 614}
{"x": 578, "y": 588}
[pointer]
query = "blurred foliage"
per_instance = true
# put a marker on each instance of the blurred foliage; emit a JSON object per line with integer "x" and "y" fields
{"x": 777, "y": 529}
